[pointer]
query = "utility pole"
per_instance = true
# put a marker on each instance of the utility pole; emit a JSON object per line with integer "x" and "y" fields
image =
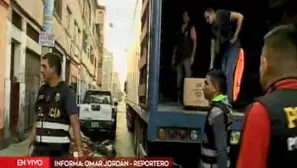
{"x": 46, "y": 37}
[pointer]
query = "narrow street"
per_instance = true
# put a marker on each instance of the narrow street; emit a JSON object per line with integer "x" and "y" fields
{"x": 124, "y": 140}
{"x": 123, "y": 143}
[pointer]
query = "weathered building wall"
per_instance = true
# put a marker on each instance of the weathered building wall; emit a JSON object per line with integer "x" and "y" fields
{"x": 23, "y": 22}
{"x": 4, "y": 4}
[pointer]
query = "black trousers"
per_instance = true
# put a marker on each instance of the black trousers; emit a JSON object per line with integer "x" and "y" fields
{"x": 51, "y": 150}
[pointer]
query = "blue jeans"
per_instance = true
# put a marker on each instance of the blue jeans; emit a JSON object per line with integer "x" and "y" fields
{"x": 183, "y": 71}
{"x": 228, "y": 67}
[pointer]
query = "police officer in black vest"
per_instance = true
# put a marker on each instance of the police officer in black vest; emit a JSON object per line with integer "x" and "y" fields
{"x": 269, "y": 137}
{"x": 215, "y": 144}
{"x": 56, "y": 112}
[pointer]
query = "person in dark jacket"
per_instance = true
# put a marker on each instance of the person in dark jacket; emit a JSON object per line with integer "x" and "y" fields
{"x": 227, "y": 37}
{"x": 56, "y": 113}
{"x": 269, "y": 137}
{"x": 184, "y": 52}
{"x": 215, "y": 144}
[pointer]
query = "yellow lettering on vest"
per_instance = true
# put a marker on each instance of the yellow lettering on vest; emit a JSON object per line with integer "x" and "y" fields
{"x": 235, "y": 137}
{"x": 54, "y": 113}
{"x": 39, "y": 112}
{"x": 291, "y": 113}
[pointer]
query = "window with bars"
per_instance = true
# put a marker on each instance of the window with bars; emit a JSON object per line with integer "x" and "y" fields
{"x": 92, "y": 55}
{"x": 101, "y": 48}
{"x": 87, "y": 12}
{"x": 100, "y": 62}
{"x": 95, "y": 63}
{"x": 79, "y": 38}
{"x": 76, "y": 33}
{"x": 32, "y": 33}
{"x": 16, "y": 20}
{"x": 58, "y": 8}
{"x": 68, "y": 20}
{"x": 85, "y": 41}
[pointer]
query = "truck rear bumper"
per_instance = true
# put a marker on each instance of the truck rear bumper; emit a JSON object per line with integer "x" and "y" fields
{"x": 181, "y": 121}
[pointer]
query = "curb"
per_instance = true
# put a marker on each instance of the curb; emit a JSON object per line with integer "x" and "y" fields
{"x": 6, "y": 143}
{"x": 15, "y": 149}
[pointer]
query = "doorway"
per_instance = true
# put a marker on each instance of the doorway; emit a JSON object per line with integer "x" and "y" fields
{"x": 32, "y": 83}
{"x": 15, "y": 88}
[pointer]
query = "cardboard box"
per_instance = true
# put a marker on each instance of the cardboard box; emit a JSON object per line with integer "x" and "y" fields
{"x": 193, "y": 92}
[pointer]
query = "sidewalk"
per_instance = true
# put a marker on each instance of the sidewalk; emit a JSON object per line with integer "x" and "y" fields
{"x": 17, "y": 149}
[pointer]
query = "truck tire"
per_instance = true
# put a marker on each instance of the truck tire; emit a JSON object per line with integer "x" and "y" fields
{"x": 130, "y": 129}
{"x": 112, "y": 135}
{"x": 113, "y": 132}
{"x": 130, "y": 119}
{"x": 136, "y": 136}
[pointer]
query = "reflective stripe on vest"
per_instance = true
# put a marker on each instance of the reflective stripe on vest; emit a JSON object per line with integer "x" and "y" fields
{"x": 52, "y": 125}
{"x": 210, "y": 152}
{"x": 52, "y": 139}
{"x": 207, "y": 165}
{"x": 238, "y": 73}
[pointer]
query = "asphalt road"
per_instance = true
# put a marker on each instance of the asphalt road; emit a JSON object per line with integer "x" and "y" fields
{"x": 124, "y": 140}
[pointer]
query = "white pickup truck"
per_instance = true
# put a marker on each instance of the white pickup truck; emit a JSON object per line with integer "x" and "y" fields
{"x": 97, "y": 112}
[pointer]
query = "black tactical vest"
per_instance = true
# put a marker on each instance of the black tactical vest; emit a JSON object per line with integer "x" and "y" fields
{"x": 281, "y": 106}
{"x": 52, "y": 125}
{"x": 208, "y": 143}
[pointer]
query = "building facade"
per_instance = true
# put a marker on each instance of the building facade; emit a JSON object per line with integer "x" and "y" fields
{"x": 76, "y": 41}
{"x": 4, "y": 5}
{"x": 107, "y": 69}
{"x": 100, "y": 26}
{"x": 116, "y": 85}
{"x": 90, "y": 46}
{"x": 132, "y": 83}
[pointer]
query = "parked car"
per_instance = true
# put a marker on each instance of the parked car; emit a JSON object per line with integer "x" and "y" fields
{"x": 97, "y": 112}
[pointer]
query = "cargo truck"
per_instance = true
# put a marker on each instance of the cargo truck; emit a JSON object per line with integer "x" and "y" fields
{"x": 165, "y": 129}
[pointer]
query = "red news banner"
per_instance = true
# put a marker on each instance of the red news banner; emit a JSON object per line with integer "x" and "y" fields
{"x": 46, "y": 162}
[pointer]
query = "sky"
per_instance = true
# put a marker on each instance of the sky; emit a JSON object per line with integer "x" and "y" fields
{"x": 116, "y": 39}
